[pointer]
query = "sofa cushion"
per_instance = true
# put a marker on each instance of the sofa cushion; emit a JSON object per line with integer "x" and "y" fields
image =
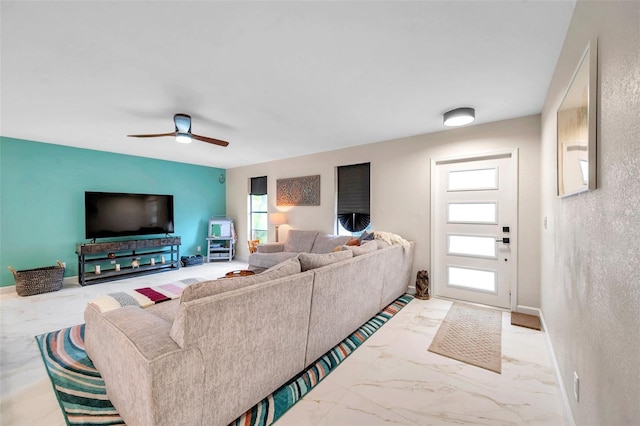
{"x": 382, "y": 244}
{"x": 221, "y": 285}
{"x": 270, "y": 248}
{"x": 300, "y": 241}
{"x": 165, "y": 310}
{"x": 267, "y": 260}
{"x": 290, "y": 266}
{"x": 316, "y": 260}
{"x": 325, "y": 243}
{"x": 367, "y": 247}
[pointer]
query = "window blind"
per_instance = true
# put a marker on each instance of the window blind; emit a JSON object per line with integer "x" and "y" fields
{"x": 258, "y": 185}
{"x": 354, "y": 196}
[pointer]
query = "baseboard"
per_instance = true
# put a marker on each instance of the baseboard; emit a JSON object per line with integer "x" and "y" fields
{"x": 71, "y": 280}
{"x": 8, "y": 289}
{"x": 528, "y": 310}
{"x": 568, "y": 414}
{"x": 66, "y": 282}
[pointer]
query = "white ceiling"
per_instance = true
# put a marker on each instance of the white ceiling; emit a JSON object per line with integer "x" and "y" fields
{"x": 275, "y": 79}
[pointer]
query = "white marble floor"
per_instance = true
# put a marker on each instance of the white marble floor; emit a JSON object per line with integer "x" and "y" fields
{"x": 390, "y": 379}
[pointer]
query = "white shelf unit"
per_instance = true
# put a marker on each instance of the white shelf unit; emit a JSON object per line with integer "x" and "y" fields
{"x": 221, "y": 240}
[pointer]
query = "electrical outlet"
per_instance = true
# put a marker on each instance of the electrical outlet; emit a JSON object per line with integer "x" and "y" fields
{"x": 576, "y": 386}
{"x": 198, "y": 249}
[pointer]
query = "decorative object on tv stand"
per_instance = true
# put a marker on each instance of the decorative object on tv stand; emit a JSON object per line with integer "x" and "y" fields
{"x": 299, "y": 191}
{"x": 277, "y": 219}
{"x": 96, "y": 269}
{"x": 576, "y": 133}
{"x": 152, "y": 261}
{"x": 117, "y": 266}
{"x": 135, "y": 263}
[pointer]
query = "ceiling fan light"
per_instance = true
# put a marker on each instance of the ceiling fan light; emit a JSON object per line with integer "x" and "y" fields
{"x": 459, "y": 117}
{"x": 183, "y": 138}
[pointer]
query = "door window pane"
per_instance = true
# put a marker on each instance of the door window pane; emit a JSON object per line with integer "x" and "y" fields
{"x": 473, "y": 213}
{"x": 472, "y": 279}
{"x": 469, "y": 180}
{"x": 467, "y": 245}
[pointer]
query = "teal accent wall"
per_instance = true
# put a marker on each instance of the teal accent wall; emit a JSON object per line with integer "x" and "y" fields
{"x": 42, "y": 199}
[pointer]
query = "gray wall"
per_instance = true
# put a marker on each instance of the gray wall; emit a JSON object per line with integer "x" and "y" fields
{"x": 401, "y": 189}
{"x": 590, "y": 288}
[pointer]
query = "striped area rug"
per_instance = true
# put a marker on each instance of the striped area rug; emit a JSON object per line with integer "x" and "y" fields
{"x": 82, "y": 395}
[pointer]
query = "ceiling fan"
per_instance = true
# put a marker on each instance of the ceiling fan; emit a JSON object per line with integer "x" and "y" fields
{"x": 183, "y": 132}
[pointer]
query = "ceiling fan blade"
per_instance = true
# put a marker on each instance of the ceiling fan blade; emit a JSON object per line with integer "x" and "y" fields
{"x": 209, "y": 140}
{"x": 154, "y": 135}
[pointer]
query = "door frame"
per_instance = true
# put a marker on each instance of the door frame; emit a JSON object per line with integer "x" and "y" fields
{"x": 513, "y": 153}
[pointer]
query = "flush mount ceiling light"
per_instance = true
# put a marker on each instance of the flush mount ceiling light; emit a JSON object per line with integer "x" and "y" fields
{"x": 183, "y": 137}
{"x": 459, "y": 117}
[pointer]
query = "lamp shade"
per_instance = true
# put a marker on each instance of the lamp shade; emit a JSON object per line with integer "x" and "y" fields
{"x": 277, "y": 218}
{"x": 459, "y": 117}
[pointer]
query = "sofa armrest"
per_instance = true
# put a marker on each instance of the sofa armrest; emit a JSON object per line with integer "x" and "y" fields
{"x": 149, "y": 378}
{"x": 271, "y": 248}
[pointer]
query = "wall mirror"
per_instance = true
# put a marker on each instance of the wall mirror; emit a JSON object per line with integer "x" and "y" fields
{"x": 576, "y": 136}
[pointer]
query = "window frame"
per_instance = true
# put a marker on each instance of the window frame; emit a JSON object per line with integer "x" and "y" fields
{"x": 258, "y": 188}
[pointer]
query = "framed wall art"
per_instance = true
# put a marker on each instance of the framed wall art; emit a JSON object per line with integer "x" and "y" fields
{"x": 298, "y": 191}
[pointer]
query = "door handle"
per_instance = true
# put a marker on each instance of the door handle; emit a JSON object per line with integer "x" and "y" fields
{"x": 504, "y": 240}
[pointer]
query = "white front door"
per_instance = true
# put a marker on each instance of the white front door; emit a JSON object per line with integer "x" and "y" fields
{"x": 474, "y": 228}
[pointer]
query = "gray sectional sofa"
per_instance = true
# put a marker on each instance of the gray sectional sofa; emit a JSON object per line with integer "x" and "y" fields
{"x": 208, "y": 357}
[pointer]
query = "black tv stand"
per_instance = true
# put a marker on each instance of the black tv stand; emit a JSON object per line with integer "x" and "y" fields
{"x": 147, "y": 253}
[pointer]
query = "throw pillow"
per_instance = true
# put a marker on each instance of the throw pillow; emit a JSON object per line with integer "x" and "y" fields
{"x": 366, "y": 236}
{"x": 353, "y": 242}
{"x": 313, "y": 260}
{"x": 367, "y": 247}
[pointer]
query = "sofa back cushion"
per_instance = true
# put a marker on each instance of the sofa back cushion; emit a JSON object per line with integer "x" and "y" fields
{"x": 345, "y": 295}
{"x": 221, "y": 285}
{"x": 325, "y": 243}
{"x": 315, "y": 260}
{"x": 300, "y": 241}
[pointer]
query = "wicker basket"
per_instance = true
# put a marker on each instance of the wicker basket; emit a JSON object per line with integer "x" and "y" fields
{"x": 39, "y": 280}
{"x": 192, "y": 260}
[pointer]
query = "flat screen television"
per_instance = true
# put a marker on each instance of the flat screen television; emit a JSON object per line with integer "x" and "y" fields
{"x": 110, "y": 214}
